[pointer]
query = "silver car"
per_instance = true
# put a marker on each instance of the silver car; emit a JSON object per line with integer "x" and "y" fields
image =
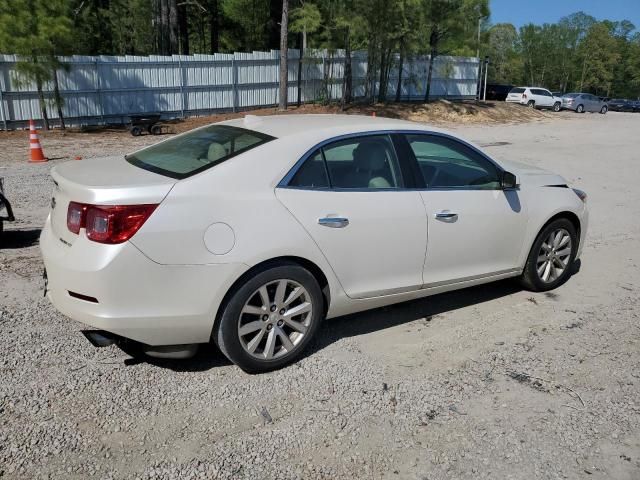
{"x": 583, "y": 102}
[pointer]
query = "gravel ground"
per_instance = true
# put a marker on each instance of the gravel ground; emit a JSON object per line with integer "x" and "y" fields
{"x": 490, "y": 382}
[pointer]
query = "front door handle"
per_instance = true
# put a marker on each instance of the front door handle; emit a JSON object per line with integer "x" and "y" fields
{"x": 333, "y": 222}
{"x": 447, "y": 216}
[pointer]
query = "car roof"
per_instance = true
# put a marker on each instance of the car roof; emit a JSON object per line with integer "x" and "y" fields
{"x": 329, "y": 125}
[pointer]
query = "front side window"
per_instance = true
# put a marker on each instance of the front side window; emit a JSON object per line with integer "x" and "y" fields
{"x": 193, "y": 152}
{"x": 446, "y": 163}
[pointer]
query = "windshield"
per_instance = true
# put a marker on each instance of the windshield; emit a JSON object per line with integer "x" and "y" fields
{"x": 196, "y": 151}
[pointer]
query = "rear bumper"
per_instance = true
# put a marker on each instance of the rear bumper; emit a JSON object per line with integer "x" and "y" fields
{"x": 135, "y": 297}
{"x": 520, "y": 101}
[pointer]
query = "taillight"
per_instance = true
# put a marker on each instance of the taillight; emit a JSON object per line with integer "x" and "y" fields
{"x": 75, "y": 216}
{"x": 108, "y": 223}
{"x": 524, "y": 95}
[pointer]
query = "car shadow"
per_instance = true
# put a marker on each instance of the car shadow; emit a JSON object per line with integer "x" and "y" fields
{"x": 354, "y": 325}
{"x": 16, "y": 239}
{"x": 406, "y": 312}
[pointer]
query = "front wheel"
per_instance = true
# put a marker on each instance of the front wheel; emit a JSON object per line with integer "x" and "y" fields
{"x": 270, "y": 319}
{"x": 604, "y": 109}
{"x": 556, "y": 107}
{"x": 551, "y": 257}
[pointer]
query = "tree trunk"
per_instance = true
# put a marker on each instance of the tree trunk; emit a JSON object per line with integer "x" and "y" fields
{"x": 347, "y": 78}
{"x": 58, "y": 98}
{"x": 427, "y": 92}
{"x": 183, "y": 26}
{"x": 214, "y": 30}
{"x": 43, "y": 105}
{"x": 400, "y": 68}
{"x": 300, "y": 57}
{"x": 284, "y": 67}
{"x": 172, "y": 26}
{"x": 433, "y": 43}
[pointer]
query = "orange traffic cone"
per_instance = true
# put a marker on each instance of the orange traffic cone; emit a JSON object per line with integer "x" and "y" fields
{"x": 37, "y": 155}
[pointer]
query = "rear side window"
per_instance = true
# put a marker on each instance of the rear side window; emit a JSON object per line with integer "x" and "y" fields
{"x": 367, "y": 162}
{"x": 517, "y": 90}
{"x": 191, "y": 153}
{"x": 312, "y": 174}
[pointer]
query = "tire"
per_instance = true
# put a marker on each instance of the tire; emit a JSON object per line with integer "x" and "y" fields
{"x": 136, "y": 131}
{"x": 156, "y": 130}
{"x": 533, "y": 275}
{"x": 604, "y": 110}
{"x": 556, "y": 107}
{"x": 531, "y": 104}
{"x": 580, "y": 109}
{"x": 246, "y": 307}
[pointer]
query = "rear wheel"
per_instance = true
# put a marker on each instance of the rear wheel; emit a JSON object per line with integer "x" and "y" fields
{"x": 604, "y": 109}
{"x": 270, "y": 319}
{"x": 156, "y": 130}
{"x": 580, "y": 109}
{"x": 556, "y": 107}
{"x": 551, "y": 257}
{"x": 531, "y": 104}
{"x": 136, "y": 131}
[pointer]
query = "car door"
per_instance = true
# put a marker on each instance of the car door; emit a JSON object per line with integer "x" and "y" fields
{"x": 548, "y": 98}
{"x": 476, "y": 228}
{"x": 351, "y": 196}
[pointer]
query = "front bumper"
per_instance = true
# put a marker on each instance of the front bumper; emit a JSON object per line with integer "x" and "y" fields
{"x": 135, "y": 297}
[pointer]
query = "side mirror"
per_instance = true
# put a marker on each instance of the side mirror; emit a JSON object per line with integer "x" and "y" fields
{"x": 509, "y": 181}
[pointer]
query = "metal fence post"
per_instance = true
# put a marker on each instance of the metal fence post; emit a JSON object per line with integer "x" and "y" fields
{"x": 4, "y": 119}
{"x": 181, "y": 72}
{"x": 234, "y": 85}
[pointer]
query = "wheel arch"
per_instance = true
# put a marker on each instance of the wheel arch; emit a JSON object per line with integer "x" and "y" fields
{"x": 312, "y": 267}
{"x": 567, "y": 214}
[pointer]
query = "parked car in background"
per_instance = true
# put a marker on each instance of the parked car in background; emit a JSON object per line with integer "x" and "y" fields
{"x": 621, "y": 105}
{"x": 534, "y": 97}
{"x": 583, "y": 102}
{"x": 498, "y": 92}
{"x": 6, "y": 214}
{"x": 251, "y": 231}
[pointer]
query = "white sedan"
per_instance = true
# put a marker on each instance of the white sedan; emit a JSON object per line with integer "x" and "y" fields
{"x": 250, "y": 232}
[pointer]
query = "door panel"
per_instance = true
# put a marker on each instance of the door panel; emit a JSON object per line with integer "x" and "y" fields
{"x": 382, "y": 248}
{"x": 485, "y": 237}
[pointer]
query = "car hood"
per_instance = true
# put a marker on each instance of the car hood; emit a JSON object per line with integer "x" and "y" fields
{"x": 530, "y": 175}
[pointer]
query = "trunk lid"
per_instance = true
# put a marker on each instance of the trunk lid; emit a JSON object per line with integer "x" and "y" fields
{"x": 102, "y": 181}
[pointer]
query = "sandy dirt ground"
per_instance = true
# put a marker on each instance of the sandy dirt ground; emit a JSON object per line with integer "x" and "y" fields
{"x": 489, "y": 382}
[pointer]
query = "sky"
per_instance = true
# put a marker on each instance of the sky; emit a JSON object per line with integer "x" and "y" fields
{"x": 520, "y": 12}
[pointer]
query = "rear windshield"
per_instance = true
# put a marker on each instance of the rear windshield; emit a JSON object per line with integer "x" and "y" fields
{"x": 193, "y": 152}
{"x": 517, "y": 90}
{"x": 571, "y": 95}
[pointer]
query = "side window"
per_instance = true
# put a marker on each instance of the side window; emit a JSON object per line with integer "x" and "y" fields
{"x": 363, "y": 162}
{"x": 446, "y": 163}
{"x": 312, "y": 174}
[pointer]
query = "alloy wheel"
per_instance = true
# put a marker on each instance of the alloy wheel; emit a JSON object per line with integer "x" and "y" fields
{"x": 554, "y": 255}
{"x": 275, "y": 319}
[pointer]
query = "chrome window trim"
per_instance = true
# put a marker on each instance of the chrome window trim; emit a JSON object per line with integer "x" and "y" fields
{"x": 284, "y": 183}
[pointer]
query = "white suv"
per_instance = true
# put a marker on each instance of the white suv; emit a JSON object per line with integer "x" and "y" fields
{"x": 534, "y": 97}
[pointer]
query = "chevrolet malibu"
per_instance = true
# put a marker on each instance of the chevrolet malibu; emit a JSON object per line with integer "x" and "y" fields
{"x": 250, "y": 232}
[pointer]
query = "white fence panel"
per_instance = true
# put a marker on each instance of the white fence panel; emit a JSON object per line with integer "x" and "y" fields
{"x": 107, "y": 89}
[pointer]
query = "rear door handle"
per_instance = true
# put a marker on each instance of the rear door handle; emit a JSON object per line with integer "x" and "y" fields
{"x": 334, "y": 222}
{"x": 447, "y": 216}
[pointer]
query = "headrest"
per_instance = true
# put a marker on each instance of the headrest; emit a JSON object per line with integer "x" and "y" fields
{"x": 370, "y": 155}
{"x": 216, "y": 152}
